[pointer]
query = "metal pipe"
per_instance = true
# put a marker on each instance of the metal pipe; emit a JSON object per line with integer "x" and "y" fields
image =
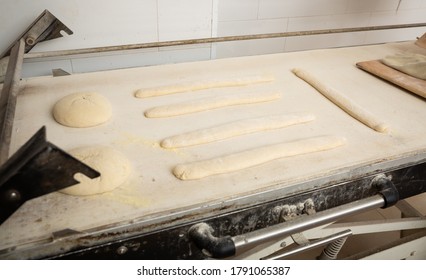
{"x": 312, "y": 245}
{"x": 251, "y": 239}
{"x": 8, "y": 98}
{"x": 218, "y": 40}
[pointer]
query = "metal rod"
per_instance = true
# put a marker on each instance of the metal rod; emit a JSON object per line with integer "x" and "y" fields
{"x": 251, "y": 239}
{"x": 8, "y": 97}
{"x": 45, "y": 27}
{"x": 311, "y": 245}
{"x": 218, "y": 40}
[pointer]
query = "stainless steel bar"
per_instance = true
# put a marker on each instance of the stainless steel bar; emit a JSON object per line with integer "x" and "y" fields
{"x": 8, "y": 98}
{"x": 251, "y": 239}
{"x": 218, "y": 40}
{"x": 311, "y": 245}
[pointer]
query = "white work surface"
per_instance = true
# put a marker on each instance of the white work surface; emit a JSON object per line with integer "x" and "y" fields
{"x": 153, "y": 188}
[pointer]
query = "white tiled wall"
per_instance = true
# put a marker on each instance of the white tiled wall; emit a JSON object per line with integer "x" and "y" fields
{"x": 184, "y": 19}
{"x": 104, "y": 23}
{"x": 313, "y": 15}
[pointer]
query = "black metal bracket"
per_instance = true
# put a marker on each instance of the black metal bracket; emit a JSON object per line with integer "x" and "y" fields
{"x": 387, "y": 189}
{"x": 216, "y": 247}
{"x": 36, "y": 169}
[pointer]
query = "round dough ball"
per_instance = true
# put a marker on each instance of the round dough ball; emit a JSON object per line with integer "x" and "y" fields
{"x": 114, "y": 167}
{"x": 82, "y": 109}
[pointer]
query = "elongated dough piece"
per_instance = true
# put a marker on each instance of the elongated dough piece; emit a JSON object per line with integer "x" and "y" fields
{"x": 249, "y": 158}
{"x": 209, "y": 103}
{"x": 343, "y": 102}
{"x": 171, "y": 89}
{"x": 234, "y": 129}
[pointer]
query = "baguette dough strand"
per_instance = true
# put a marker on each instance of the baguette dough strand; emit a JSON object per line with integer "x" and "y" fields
{"x": 177, "y": 88}
{"x": 249, "y": 158}
{"x": 343, "y": 102}
{"x": 234, "y": 129}
{"x": 209, "y": 103}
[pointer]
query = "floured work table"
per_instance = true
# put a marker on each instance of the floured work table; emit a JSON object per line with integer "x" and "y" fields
{"x": 150, "y": 215}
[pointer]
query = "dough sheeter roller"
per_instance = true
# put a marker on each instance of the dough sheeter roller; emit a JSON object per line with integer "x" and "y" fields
{"x": 154, "y": 215}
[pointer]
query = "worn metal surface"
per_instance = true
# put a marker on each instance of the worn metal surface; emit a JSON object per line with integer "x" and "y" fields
{"x": 249, "y": 240}
{"x": 8, "y": 98}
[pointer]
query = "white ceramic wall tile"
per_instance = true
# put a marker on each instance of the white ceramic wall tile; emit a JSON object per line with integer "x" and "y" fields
{"x": 293, "y": 8}
{"x": 15, "y": 16}
{"x": 412, "y": 4}
{"x": 215, "y": 17}
{"x": 349, "y": 20}
{"x": 356, "y": 6}
{"x": 182, "y": 55}
{"x": 377, "y": 37}
{"x": 99, "y": 63}
{"x": 115, "y": 61}
{"x": 184, "y": 19}
{"x": 185, "y": 47}
{"x": 116, "y": 23}
{"x": 44, "y": 68}
{"x": 237, "y": 9}
{"x": 250, "y": 47}
{"x": 403, "y": 16}
{"x": 324, "y": 41}
{"x": 97, "y": 23}
{"x": 329, "y": 22}
{"x": 247, "y": 27}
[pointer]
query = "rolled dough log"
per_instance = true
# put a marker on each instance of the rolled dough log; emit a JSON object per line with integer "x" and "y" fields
{"x": 114, "y": 167}
{"x": 343, "y": 102}
{"x": 249, "y": 158}
{"x": 408, "y": 63}
{"x": 171, "y": 89}
{"x": 234, "y": 129}
{"x": 209, "y": 103}
{"x": 82, "y": 109}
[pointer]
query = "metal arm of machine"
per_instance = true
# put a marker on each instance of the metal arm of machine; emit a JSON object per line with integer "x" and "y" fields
{"x": 8, "y": 98}
{"x": 45, "y": 27}
{"x": 340, "y": 236}
{"x": 228, "y": 246}
{"x": 36, "y": 169}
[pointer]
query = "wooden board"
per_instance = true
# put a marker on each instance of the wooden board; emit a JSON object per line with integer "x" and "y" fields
{"x": 421, "y": 42}
{"x": 396, "y": 77}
